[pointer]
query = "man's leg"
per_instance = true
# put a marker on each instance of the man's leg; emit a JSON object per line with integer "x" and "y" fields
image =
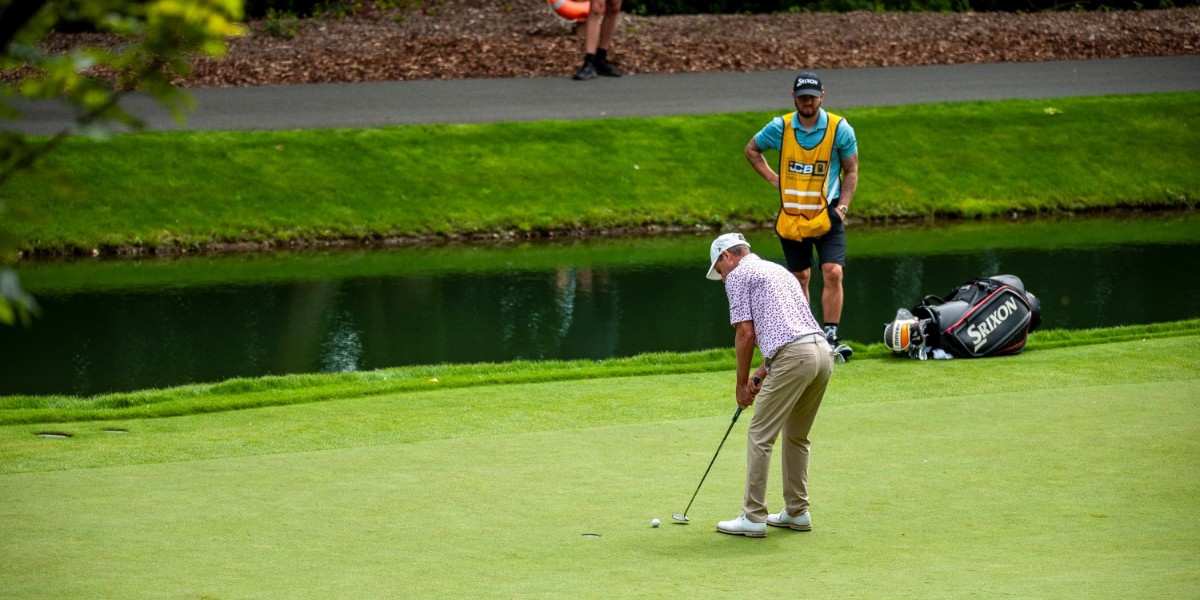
{"x": 787, "y": 377}
{"x": 592, "y": 40}
{"x": 799, "y": 259}
{"x": 594, "y": 27}
{"x": 612, "y": 13}
{"x": 797, "y": 427}
{"x": 831, "y": 295}
{"x": 831, "y": 251}
{"x": 803, "y": 277}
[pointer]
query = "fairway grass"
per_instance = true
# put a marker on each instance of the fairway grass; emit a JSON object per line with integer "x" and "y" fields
{"x": 1059, "y": 473}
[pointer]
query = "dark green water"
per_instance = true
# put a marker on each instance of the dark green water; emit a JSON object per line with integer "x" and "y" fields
{"x": 539, "y": 301}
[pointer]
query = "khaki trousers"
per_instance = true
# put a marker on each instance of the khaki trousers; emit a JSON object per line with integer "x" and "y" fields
{"x": 791, "y": 394}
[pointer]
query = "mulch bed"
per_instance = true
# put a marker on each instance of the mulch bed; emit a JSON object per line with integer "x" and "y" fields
{"x": 457, "y": 39}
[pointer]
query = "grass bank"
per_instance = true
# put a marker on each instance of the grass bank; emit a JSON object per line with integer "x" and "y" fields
{"x": 882, "y": 240}
{"x": 978, "y": 159}
{"x": 929, "y": 480}
{"x": 241, "y": 394}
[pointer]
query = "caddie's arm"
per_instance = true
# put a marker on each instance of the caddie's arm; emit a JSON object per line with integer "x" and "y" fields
{"x": 743, "y": 346}
{"x": 849, "y": 183}
{"x": 754, "y": 154}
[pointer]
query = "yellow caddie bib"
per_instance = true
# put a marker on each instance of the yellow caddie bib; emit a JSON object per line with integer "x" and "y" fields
{"x": 803, "y": 189}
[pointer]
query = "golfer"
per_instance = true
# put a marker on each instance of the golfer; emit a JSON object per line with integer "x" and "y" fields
{"x": 767, "y": 308}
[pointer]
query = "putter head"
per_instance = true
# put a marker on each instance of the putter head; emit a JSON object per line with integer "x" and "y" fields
{"x": 680, "y": 519}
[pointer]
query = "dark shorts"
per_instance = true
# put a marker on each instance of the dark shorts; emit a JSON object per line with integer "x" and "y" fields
{"x": 831, "y": 247}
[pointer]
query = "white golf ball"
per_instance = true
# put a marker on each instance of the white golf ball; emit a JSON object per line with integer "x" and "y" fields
{"x": 654, "y": 523}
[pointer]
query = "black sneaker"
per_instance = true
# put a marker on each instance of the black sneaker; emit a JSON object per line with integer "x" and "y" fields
{"x": 586, "y": 72}
{"x": 605, "y": 68}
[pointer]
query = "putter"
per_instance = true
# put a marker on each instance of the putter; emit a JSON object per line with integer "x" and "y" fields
{"x": 682, "y": 519}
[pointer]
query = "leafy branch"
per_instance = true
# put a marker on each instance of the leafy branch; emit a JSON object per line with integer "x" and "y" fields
{"x": 158, "y": 39}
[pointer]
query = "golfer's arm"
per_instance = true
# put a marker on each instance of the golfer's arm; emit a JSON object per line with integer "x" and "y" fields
{"x": 743, "y": 346}
{"x": 755, "y": 156}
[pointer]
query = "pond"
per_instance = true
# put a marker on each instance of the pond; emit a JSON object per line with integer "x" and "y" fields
{"x": 125, "y": 325}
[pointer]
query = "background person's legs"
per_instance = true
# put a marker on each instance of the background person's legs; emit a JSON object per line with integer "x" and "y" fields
{"x": 601, "y": 24}
{"x": 611, "y": 12}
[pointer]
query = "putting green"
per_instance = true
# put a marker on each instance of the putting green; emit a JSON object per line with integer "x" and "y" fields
{"x": 1063, "y": 489}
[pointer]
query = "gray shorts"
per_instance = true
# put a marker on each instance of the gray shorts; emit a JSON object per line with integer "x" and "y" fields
{"x": 831, "y": 247}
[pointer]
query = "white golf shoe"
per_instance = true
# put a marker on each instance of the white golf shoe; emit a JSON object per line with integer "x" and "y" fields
{"x": 800, "y": 522}
{"x": 743, "y": 526}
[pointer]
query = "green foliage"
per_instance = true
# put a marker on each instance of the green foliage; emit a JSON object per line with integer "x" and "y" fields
{"x": 279, "y": 24}
{"x": 16, "y": 306}
{"x": 158, "y": 38}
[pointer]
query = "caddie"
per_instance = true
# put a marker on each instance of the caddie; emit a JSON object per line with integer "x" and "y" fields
{"x": 817, "y": 176}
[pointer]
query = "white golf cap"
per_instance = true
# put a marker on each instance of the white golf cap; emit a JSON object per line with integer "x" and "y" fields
{"x": 719, "y": 245}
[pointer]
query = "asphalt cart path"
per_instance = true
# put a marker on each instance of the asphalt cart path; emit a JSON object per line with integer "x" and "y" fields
{"x": 497, "y": 100}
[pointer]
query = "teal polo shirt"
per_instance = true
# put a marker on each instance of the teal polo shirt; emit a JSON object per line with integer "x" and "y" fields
{"x": 845, "y": 144}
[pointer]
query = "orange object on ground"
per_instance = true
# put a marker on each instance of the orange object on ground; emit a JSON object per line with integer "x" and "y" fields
{"x": 571, "y": 10}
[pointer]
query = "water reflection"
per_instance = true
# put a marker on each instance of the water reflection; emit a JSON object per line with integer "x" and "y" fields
{"x": 91, "y": 342}
{"x": 341, "y": 348}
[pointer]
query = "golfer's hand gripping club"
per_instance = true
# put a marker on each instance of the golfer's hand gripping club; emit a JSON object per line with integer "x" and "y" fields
{"x": 757, "y": 381}
{"x": 747, "y": 391}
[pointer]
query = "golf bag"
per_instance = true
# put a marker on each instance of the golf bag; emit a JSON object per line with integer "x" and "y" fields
{"x": 988, "y": 316}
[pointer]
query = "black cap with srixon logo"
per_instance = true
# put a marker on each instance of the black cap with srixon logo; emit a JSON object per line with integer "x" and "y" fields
{"x": 808, "y": 84}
